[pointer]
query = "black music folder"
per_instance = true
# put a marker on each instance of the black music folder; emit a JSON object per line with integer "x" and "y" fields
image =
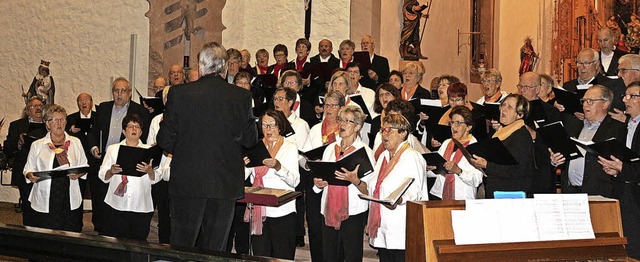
{"x": 439, "y": 132}
{"x": 493, "y": 151}
{"x": 430, "y": 107}
{"x": 357, "y": 98}
{"x": 435, "y": 159}
{"x": 256, "y": 154}
{"x": 491, "y": 110}
{"x": 608, "y": 148}
{"x": 151, "y": 101}
{"x": 557, "y": 139}
{"x": 61, "y": 171}
{"x": 314, "y": 154}
{"x": 326, "y": 170}
{"x": 364, "y": 59}
{"x": 570, "y": 100}
{"x": 129, "y": 157}
{"x": 266, "y": 84}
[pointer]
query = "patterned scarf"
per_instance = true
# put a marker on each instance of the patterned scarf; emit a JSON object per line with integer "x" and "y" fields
{"x": 336, "y": 209}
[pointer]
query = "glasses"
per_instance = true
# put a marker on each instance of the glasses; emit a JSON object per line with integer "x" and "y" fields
{"x": 629, "y": 96}
{"x": 234, "y": 63}
{"x": 624, "y": 70}
{"x": 456, "y": 123}
{"x": 36, "y": 106}
{"x": 279, "y": 98}
{"x": 289, "y": 83}
{"x": 269, "y": 125}
{"x": 133, "y": 127}
{"x": 120, "y": 91}
{"x": 366, "y": 43}
{"x": 279, "y": 55}
{"x": 344, "y": 120}
{"x": 331, "y": 105}
{"x": 488, "y": 81}
{"x": 58, "y": 120}
{"x": 521, "y": 87}
{"x": 387, "y": 129}
{"x": 585, "y": 63}
{"x": 590, "y": 101}
{"x": 456, "y": 100}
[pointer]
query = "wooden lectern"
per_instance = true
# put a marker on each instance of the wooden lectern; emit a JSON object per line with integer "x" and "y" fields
{"x": 430, "y": 237}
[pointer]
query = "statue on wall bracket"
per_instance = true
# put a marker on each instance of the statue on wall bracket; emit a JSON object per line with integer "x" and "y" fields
{"x": 42, "y": 85}
{"x": 410, "y": 37}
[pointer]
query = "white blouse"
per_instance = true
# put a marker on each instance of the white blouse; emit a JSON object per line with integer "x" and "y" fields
{"x": 391, "y": 234}
{"x": 302, "y": 131}
{"x": 287, "y": 178}
{"x": 356, "y": 205}
{"x": 41, "y": 158}
{"x": 138, "y": 196}
{"x": 466, "y": 182}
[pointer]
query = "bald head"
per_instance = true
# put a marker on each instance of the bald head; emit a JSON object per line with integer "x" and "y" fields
{"x": 85, "y": 103}
{"x": 325, "y": 47}
{"x": 176, "y": 75}
{"x": 159, "y": 84}
{"x": 529, "y": 85}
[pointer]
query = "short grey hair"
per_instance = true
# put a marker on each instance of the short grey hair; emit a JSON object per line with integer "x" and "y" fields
{"x": 212, "y": 59}
{"x": 633, "y": 59}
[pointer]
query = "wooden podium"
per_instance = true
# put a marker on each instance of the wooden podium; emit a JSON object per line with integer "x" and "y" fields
{"x": 430, "y": 237}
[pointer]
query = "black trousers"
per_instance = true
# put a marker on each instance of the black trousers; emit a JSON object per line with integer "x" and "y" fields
{"x": 344, "y": 244}
{"x": 278, "y": 239}
{"x": 391, "y": 255}
{"x": 126, "y": 224}
{"x": 201, "y": 222}
{"x": 315, "y": 221}
{"x": 239, "y": 233}
{"x": 160, "y": 194}
{"x": 98, "y": 191}
{"x": 68, "y": 220}
{"x": 630, "y": 213}
{"x": 305, "y": 176}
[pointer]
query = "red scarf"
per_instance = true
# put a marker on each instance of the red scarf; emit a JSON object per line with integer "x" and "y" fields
{"x": 449, "y": 190}
{"x": 300, "y": 63}
{"x": 61, "y": 152}
{"x": 277, "y": 68}
{"x": 258, "y": 213}
{"x": 344, "y": 64}
{"x": 374, "y": 207}
{"x": 408, "y": 95}
{"x": 328, "y": 133}
{"x": 262, "y": 70}
{"x": 336, "y": 209}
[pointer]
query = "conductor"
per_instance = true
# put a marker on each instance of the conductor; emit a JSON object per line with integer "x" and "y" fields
{"x": 205, "y": 124}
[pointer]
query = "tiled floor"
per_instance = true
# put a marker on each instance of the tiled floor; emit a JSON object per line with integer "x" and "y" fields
{"x": 8, "y": 215}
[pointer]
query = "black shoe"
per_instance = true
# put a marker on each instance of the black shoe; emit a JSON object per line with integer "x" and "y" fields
{"x": 300, "y": 241}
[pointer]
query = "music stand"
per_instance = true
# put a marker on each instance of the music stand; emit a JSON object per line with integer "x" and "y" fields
{"x": 270, "y": 197}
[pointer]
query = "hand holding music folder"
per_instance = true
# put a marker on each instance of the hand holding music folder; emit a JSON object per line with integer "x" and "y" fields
{"x": 394, "y": 197}
{"x": 151, "y": 101}
{"x": 129, "y": 157}
{"x": 430, "y": 107}
{"x": 364, "y": 59}
{"x": 493, "y": 151}
{"x": 256, "y": 154}
{"x": 326, "y": 170}
{"x": 608, "y": 148}
{"x": 568, "y": 99}
{"x": 314, "y": 154}
{"x": 491, "y": 110}
{"x": 61, "y": 171}
{"x": 439, "y": 132}
{"x": 556, "y": 138}
{"x": 435, "y": 159}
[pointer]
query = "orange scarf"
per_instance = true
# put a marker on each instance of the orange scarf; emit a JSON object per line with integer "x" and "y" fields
{"x": 328, "y": 132}
{"x": 374, "y": 207}
{"x": 336, "y": 208}
{"x": 408, "y": 95}
{"x": 449, "y": 190}
{"x": 444, "y": 120}
{"x": 505, "y": 131}
{"x": 258, "y": 213}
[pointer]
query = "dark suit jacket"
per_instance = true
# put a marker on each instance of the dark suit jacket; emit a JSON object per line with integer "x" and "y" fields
{"x": 308, "y": 113}
{"x": 206, "y": 124}
{"x": 102, "y": 120}
{"x": 613, "y": 66}
{"x": 616, "y": 85}
{"x": 595, "y": 181}
{"x": 380, "y": 65}
{"x": 72, "y": 119}
{"x": 513, "y": 177}
{"x": 318, "y": 84}
{"x": 11, "y": 150}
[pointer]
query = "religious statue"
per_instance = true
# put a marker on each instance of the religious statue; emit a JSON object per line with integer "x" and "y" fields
{"x": 42, "y": 84}
{"x": 410, "y": 38}
{"x": 633, "y": 34}
{"x": 613, "y": 25}
{"x": 528, "y": 57}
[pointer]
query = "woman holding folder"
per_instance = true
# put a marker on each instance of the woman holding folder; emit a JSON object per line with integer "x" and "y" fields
{"x": 384, "y": 94}
{"x": 56, "y": 202}
{"x": 399, "y": 162}
{"x": 128, "y": 199}
{"x": 344, "y": 212}
{"x": 462, "y": 179}
{"x": 272, "y": 228}
{"x": 517, "y": 140}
